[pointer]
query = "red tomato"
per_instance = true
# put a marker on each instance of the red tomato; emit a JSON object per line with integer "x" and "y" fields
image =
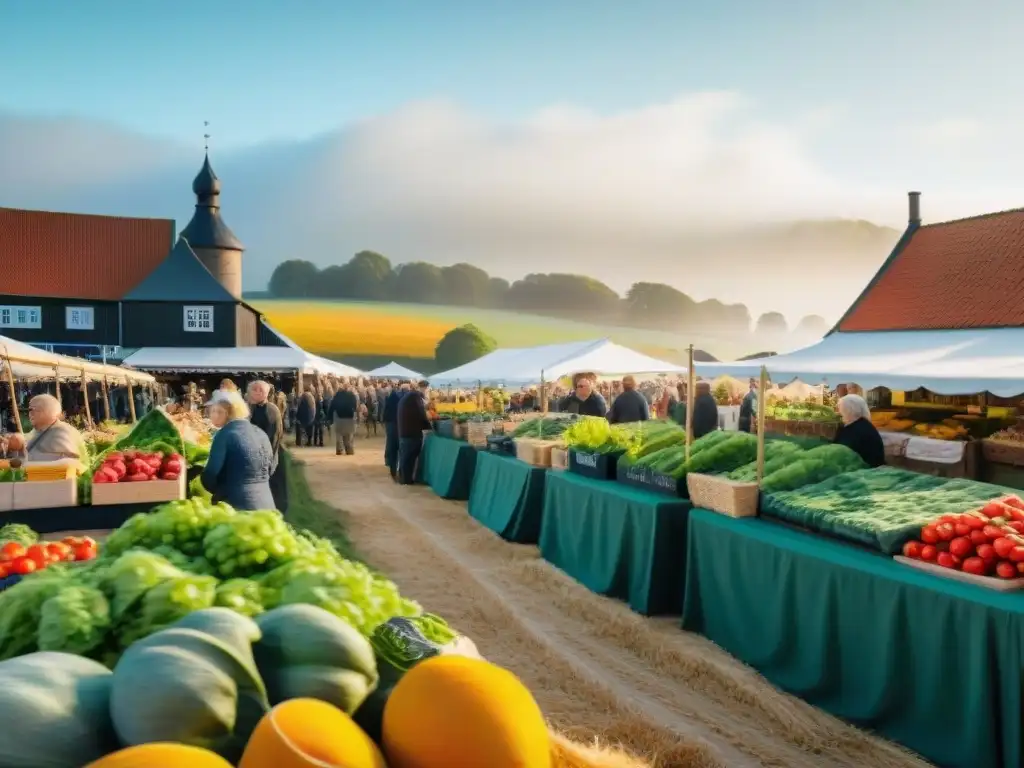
{"x": 947, "y": 560}
{"x": 1002, "y": 546}
{"x": 987, "y": 552}
{"x": 962, "y": 529}
{"x": 929, "y": 552}
{"x": 929, "y": 534}
{"x": 992, "y": 509}
{"x": 961, "y": 546}
{"x": 978, "y": 538}
{"x": 912, "y": 549}
{"x": 38, "y": 553}
{"x": 12, "y": 550}
{"x": 1020, "y": 567}
{"x": 1017, "y": 554}
{"x": 85, "y": 552}
{"x": 1005, "y": 570}
{"x": 5, "y": 570}
{"x": 23, "y": 565}
{"x": 954, "y": 519}
{"x": 975, "y": 521}
{"x": 87, "y": 540}
{"x": 945, "y": 531}
{"x": 975, "y": 565}
{"x": 59, "y": 550}
{"x": 993, "y": 532}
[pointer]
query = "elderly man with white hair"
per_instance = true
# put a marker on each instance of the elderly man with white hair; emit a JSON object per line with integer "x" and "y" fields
{"x": 50, "y": 439}
{"x": 267, "y": 416}
{"x": 857, "y": 432}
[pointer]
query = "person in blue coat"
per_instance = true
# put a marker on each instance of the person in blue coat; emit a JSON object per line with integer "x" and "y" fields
{"x": 390, "y": 418}
{"x": 241, "y": 458}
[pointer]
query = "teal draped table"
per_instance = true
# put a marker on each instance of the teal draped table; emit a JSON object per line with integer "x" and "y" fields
{"x": 446, "y": 465}
{"x": 927, "y": 662}
{"x": 617, "y": 540}
{"x": 508, "y": 496}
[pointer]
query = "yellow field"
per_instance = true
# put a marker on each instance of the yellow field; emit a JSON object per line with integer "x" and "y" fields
{"x": 355, "y": 329}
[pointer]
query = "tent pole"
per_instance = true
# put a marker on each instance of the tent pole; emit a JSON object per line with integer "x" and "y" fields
{"x": 762, "y": 388}
{"x": 14, "y": 395}
{"x": 56, "y": 386}
{"x": 85, "y": 398}
{"x": 131, "y": 399}
{"x": 691, "y": 386}
{"x": 106, "y": 399}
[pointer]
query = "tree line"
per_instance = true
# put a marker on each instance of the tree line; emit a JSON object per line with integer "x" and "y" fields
{"x": 369, "y": 276}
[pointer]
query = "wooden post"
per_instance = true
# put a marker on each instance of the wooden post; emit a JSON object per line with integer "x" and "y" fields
{"x": 762, "y": 387}
{"x": 85, "y": 398}
{"x": 56, "y": 386}
{"x": 691, "y": 386}
{"x": 131, "y": 399}
{"x": 14, "y": 395}
{"x": 106, "y": 399}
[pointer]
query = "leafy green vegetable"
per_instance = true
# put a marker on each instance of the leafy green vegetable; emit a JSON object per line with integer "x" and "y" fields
{"x": 131, "y": 576}
{"x": 240, "y": 595}
{"x": 813, "y": 466}
{"x": 22, "y": 534}
{"x": 74, "y": 620}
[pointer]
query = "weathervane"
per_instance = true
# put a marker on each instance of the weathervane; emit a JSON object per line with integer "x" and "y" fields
{"x": 206, "y": 136}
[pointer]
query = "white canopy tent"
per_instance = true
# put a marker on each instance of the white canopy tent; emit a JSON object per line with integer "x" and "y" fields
{"x": 955, "y": 362}
{"x": 530, "y": 365}
{"x": 28, "y": 362}
{"x": 394, "y": 371}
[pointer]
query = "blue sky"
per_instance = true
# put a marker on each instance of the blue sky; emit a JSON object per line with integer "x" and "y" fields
{"x": 524, "y": 136}
{"x": 263, "y": 69}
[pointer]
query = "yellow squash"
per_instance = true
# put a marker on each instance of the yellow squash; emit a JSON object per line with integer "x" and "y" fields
{"x": 306, "y": 733}
{"x": 458, "y": 712}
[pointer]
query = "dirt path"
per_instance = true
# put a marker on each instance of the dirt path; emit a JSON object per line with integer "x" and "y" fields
{"x": 597, "y": 669}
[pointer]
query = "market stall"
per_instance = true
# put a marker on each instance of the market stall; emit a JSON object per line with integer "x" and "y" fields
{"x": 507, "y": 496}
{"x": 446, "y": 465}
{"x": 394, "y": 371}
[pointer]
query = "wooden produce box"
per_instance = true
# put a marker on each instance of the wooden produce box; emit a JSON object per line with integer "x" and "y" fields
{"x": 477, "y": 432}
{"x": 560, "y": 458}
{"x": 6, "y": 497}
{"x": 142, "y": 492}
{"x": 724, "y": 496}
{"x": 44, "y": 494}
{"x": 535, "y": 452}
{"x": 1003, "y": 452}
{"x": 596, "y": 466}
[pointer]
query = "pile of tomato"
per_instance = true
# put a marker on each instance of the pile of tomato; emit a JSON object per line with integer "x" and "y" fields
{"x": 18, "y": 560}
{"x": 984, "y": 542}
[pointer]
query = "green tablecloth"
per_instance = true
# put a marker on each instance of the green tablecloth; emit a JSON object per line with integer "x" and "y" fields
{"x": 446, "y": 465}
{"x": 508, "y": 496}
{"x": 617, "y": 540}
{"x": 930, "y": 663}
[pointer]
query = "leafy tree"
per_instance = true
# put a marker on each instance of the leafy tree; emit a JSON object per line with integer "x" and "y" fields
{"x": 419, "y": 283}
{"x": 772, "y": 322}
{"x": 497, "y": 292}
{"x": 462, "y": 345}
{"x": 812, "y": 325}
{"x": 332, "y": 283}
{"x": 466, "y": 285}
{"x": 368, "y": 275}
{"x": 562, "y": 293}
{"x": 648, "y": 303}
{"x": 295, "y": 278}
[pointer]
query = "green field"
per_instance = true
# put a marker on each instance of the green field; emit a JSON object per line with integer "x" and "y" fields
{"x": 367, "y": 333}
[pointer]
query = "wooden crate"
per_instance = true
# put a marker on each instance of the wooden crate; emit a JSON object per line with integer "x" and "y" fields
{"x": 1003, "y": 452}
{"x": 535, "y": 452}
{"x": 560, "y": 458}
{"x": 148, "y": 492}
{"x": 45, "y": 494}
{"x": 724, "y": 496}
{"x": 477, "y": 432}
{"x": 6, "y": 497}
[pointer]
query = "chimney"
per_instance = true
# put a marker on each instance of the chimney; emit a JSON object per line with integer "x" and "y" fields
{"x": 915, "y": 208}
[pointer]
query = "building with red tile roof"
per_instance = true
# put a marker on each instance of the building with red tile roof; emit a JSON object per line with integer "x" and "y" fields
{"x": 967, "y": 273}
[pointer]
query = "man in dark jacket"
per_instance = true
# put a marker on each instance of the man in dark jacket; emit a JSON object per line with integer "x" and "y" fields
{"x": 630, "y": 405}
{"x": 412, "y": 422}
{"x": 343, "y": 410}
{"x": 748, "y": 408}
{"x": 265, "y": 415}
{"x": 585, "y": 400}
{"x": 390, "y": 418}
{"x": 305, "y": 417}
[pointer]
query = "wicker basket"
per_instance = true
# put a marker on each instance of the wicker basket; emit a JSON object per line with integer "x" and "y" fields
{"x": 459, "y": 430}
{"x": 535, "y": 452}
{"x": 477, "y": 432}
{"x": 727, "y": 497}
{"x": 1003, "y": 452}
{"x": 560, "y": 458}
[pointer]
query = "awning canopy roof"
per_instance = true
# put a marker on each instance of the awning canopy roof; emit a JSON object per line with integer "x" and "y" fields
{"x": 28, "y": 362}
{"x": 955, "y": 362}
{"x": 394, "y": 371}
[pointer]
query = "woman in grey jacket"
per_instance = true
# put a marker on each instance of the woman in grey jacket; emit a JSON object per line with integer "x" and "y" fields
{"x": 241, "y": 458}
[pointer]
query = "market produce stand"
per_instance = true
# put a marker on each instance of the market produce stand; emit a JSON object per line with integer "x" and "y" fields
{"x": 446, "y": 465}
{"x": 928, "y": 662}
{"x": 617, "y": 540}
{"x": 508, "y": 497}
{"x": 77, "y": 519}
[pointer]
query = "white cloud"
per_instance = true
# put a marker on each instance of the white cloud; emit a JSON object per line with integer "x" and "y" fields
{"x": 951, "y": 132}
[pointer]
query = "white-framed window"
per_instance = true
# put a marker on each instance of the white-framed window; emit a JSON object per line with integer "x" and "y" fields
{"x": 199, "y": 319}
{"x": 21, "y": 317}
{"x": 80, "y": 318}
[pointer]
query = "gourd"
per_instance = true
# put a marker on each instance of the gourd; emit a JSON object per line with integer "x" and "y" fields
{"x": 161, "y": 756}
{"x": 307, "y": 733}
{"x": 186, "y": 686}
{"x": 306, "y": 652}
{"x": 458, "y": 712}
{"x": 58, "y": 709}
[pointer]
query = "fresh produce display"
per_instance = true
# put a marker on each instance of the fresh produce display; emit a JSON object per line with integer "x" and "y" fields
{"x": 904, "y": 421}
{"x": 653, "y": 436}
{"x": 813, "y": 466}
{"x": 777, "y": 453}
{"x": 22, "y": 552}
{"x": 103, "y": 436}
{"x": 10, "y": 474}
{"x": 138, "y": 466}
{"x": 988, "y": 541}
{"x": 716, "y": 451}
{"x": 595, "y": 435}
{"x": 1013, "y": 434}
{"x": 542, "y": 428}
{"x": 881, "y": 508}
{"x": 806, "y": 411}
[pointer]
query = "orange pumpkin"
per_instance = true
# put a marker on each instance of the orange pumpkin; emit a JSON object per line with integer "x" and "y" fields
{"x": 161, "y": 756}
{"x": 459, "y": 712}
